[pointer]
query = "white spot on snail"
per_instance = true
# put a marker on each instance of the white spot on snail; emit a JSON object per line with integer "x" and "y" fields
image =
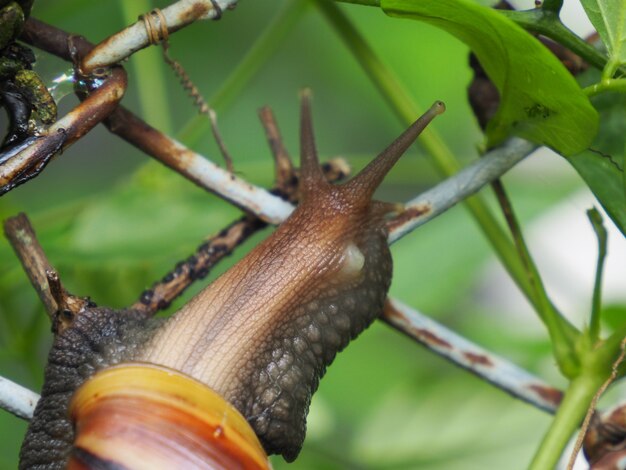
{"x": 352, "y": 262}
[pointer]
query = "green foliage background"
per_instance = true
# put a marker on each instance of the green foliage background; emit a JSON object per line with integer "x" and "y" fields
{"x": 112, "y": 222}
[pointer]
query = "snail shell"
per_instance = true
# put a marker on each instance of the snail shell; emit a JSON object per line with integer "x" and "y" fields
{"x": 140, "y": 416}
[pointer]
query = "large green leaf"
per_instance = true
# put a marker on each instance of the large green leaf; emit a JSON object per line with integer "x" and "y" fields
{"x": 609, "y": 19}
{"x": 540, "y": 100}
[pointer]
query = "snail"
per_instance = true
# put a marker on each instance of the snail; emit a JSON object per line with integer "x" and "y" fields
{"x": 260, "y": 336}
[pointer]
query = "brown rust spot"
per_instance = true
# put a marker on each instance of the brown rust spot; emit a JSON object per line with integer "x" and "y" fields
{"x": 408, "y": 214}
{"x": 197, "y": 10}
{"x": 549, "y": 394}
{"x": 398, "y": 320}
{"x": 430, "y": 338}
{"x": 475, "y": 359}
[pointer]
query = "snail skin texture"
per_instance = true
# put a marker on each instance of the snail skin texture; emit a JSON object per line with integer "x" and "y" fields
{"x": 263, "y": 333}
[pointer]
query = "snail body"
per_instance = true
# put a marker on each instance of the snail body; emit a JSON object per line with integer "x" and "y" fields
{"x": 263, "y": 333}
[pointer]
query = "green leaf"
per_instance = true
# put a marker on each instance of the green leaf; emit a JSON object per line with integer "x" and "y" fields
{"x": 602, "y": 166}
{"x": 603, "y": 175}
{"x": 540, "y": 100}
{"x": 609, "y": 19}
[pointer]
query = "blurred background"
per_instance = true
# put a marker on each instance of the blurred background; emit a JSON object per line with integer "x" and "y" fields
{"x": 112, "y": 222}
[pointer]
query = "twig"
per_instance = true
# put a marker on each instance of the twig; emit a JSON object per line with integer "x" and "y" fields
{"x": 466, "y": 182}
{"x": 498, "y": 371}
{"x": 215, "y": 130}
{"x": 197, "y": 266}
{"x": 22, "y": 237}
{"x": 54, "y": 40}
{"x": 135, "y": 37}
{"x": 61, "y": 306}
{"x": 282, "y": 160}
{"x": 16, "y": 399}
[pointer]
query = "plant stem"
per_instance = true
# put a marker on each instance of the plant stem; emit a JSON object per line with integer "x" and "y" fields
{"x": 568, "y": 417}
{"x": 405, "y": 108}
{"x": 594, "y": 403}
{"x": 548, "y": 24}
{"x": 612, "y": 84}
{"x": 610, "y": 68}
{"x": 148, "y": 73}
{"x": 562, "y": 333}
{"x": 263, "y": 48}
{"x": 552, "y": 5}
{"x": 594, "y": 324}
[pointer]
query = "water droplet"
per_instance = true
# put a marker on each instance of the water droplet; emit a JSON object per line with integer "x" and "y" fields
{"x": 62, "y": 85}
